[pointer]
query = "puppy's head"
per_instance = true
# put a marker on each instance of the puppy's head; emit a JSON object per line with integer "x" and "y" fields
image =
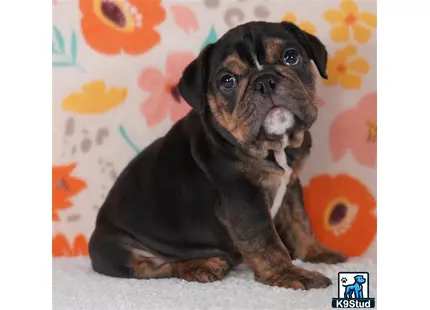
{"x": 257, "y": 80}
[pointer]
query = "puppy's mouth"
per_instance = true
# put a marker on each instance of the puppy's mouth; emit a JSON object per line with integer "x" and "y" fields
{"x": 278, "y": 122}
{"x": 284, "y": 114}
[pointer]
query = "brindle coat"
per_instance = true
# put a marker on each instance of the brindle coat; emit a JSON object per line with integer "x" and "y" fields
{"x": 197, "y": 201}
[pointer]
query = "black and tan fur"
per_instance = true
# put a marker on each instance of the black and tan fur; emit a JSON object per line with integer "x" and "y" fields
{"x": 196, "y": 202}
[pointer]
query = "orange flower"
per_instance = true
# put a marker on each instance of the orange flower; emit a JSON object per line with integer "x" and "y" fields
{"x": 348, "y": 17}
{"x": 345, "y": 68}
{"x": 61, "y": 246}
{"x": 304, "y": 25}
{"x": 112, "y": 26}
{"x": 63, "y": 187}
{"x": 342, "y": 213}
{"x": 161, "y": 102}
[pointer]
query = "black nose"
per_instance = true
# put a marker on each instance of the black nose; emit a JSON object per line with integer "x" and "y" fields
{"x": 266, "y": 84}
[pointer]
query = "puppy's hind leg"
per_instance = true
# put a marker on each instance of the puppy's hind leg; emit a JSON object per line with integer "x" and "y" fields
{"x": 107, "y": 254}
{"x": 115, "y": 254}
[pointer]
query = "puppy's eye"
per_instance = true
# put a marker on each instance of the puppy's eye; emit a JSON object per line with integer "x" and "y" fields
{"x": 291, "y": 57}
{"x": 228, "y": 82}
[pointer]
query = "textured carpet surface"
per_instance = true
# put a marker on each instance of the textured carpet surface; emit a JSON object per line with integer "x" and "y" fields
{"x": 76, "y": 286}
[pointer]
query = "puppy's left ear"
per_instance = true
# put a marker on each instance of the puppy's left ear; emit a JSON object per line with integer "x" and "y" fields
{"x": 193, "y": 83}
{"x": 313, "y": 46}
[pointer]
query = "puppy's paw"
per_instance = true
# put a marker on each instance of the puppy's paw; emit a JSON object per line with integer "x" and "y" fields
{"x": 297, "y": 278}
{"x": 204, "y": 271}
{"x": 318, "y": 253}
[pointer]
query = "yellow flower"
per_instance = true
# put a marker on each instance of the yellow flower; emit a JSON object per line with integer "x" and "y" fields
{"x": 94, "y": 99}
{"x": 304, "y": 25}
{"x": 345, "y": 68}
{"x": 348, "y": 17}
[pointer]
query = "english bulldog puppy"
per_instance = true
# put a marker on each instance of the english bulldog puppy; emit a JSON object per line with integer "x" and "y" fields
{"x": 221, "y": 187}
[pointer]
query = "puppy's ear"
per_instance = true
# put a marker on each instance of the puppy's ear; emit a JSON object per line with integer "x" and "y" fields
{"x": 313, "y": 46}
{"x": 193, "y": 83}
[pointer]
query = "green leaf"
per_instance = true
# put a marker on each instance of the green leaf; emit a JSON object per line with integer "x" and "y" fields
{"x": 62, "y": 64}
{"x": 58, "y": 42}
{"x": 74, "y": 47}
{"x": 211, "y": 38}
{"x": 127, "y": 139}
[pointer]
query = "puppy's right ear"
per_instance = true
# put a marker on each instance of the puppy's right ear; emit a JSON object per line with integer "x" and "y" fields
{"x": 313, "y": 46}
{"x": 193, "y": 83}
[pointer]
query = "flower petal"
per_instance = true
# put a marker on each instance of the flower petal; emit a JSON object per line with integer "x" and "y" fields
{"x": 368, "y": 18}
{"x": 59, "y": 172}
{"x": 184, "y": 18}
{"x": 340, "y": 134}
{"x": 133, "y": 44}
{"x": 153, "y": 12}
{"x": 361, "y": 34}
{"x": 152, "y": 80}
{"x": 290, "y": 17}
{"x": 350, "y": 131}
{"x": 348, "y": 7}
{"x": 350, "y": 81}
{"x": 60, "y": 246}
{"x": 332, "y": 73}
{"x": 80, "y": 246}
{"x": 155, "y": 108}
{"x": 334, "y": 16}
{"x": 308, "y": 27}
{"x": 340, "y": 33}
{"x": 359, "y": 65}
{"x": 99, "y": 36}
{"x": 346, "y": 52}
{"x": 175, "y": 65}
{"x": 94, "y": 98}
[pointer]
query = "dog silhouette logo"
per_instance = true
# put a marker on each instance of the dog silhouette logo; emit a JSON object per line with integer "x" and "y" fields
{"x": 353, "y": 291}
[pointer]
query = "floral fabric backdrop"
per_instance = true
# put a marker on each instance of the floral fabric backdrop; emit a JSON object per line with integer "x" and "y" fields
{"x": 114, "y": 62}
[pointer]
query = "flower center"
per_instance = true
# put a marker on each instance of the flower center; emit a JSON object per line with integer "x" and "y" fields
{"x": 113, "y": 12}
{"x": 371, "y": 137}
{"x": 173, "y": 90}
{"x": 350, "y": 19}
{"x": 169, "y": 87}
{"x": 338, "y": 214}
{"x": 341, "y": 68}
{"x": 61, "y": 184}
{"x": 119, "y": 14}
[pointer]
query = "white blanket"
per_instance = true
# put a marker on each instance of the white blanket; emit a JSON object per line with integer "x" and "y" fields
{"x": 76, "y": 286}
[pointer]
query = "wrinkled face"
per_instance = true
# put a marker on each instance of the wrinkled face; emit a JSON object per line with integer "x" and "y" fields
{"x": 260, "y": 83}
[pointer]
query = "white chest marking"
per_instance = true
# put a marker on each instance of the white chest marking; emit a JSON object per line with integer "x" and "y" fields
{"x": 281, "y": 159}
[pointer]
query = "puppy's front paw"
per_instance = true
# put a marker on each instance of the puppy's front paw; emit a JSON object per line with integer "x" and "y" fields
{"x": 204, "y": 271}
{"x": 297, "y": 278}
